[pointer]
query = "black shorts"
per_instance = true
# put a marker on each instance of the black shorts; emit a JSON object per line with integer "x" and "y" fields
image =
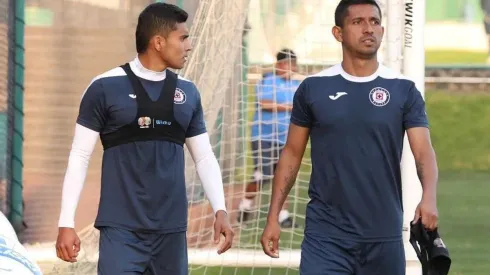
{"x": 125, "y": 252}
{"x": 342, "y": 257}
{"x": 265, "y": 156}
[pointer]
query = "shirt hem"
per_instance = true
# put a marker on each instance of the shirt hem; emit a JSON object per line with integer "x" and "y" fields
{"x": 357, "y": 239}
{"x": 87, "y": 124}
{"x": 300, "y": 123}
{"x": 197, "y": 133}
{"x": 100, "y": 224}
{"x": 413, "y": 125}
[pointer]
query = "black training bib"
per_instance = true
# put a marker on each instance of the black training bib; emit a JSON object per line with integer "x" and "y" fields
{"x": 154, "y": 120}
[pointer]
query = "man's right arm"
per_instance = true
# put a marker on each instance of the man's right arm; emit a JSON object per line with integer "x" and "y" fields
{"x": 90, "y": 122}
{"x": 290, "y": 160}
{"x": 84, "y": 141}
{"x": 287, "y": 168}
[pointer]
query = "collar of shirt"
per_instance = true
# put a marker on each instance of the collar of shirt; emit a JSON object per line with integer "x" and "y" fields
{"x": 142, "y": 72}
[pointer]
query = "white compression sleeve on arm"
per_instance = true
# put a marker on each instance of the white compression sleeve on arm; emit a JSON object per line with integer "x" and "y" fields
{"x": 208, "y": 169}
{"x": 83, "y": 145}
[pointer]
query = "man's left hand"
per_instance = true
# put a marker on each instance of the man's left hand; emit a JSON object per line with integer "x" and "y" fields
{"x": 427, "y": 211}
{"x": 222, "y": 226}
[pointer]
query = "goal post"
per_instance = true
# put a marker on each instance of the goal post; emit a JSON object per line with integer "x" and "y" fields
{"x": 413, "y": 68}
{"x": 226, "y": 63}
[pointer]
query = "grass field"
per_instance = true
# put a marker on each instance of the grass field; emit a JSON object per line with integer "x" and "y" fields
{"x": 446, "y": 57}
{"x": 459, "y": 127}
{"x": 464, "y": 210}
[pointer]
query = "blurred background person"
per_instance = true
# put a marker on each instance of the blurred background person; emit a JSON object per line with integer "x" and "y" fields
{"x": 269, "y": 131}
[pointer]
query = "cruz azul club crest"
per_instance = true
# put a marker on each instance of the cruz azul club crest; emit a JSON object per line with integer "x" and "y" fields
{"x": 379, "y": 96}
{"x": 179, "y": 97}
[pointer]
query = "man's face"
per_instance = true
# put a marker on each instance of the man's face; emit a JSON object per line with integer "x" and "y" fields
{"x": 286, "y": 67}
{"x": 176, "y": 47}
{"x": 362, "y": 32}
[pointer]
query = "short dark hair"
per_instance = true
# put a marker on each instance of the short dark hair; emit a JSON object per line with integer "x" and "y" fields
{"x": 343, "y": 8}
{"x": 285, "y": 54}
{"x": 157, "y": 18}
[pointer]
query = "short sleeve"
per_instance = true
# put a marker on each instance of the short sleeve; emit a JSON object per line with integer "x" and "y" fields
{"x": 301, "y": 113}
{"x": 414, "y": 114}
{"x": 92, "y": 112}
{"x": 197, "y": 125}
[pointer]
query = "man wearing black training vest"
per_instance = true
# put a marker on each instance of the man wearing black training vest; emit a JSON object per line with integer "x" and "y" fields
{"x": 143, "y": 114}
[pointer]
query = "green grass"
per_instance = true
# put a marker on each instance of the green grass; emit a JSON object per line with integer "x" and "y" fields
{"x": 452, "y": 57}
{"x": 464, "y": 209}
{"x": 458, "y": 129}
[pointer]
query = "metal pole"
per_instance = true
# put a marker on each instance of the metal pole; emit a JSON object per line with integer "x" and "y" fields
{"x": 16, "y": 107}
{"x": 413, "y": 68}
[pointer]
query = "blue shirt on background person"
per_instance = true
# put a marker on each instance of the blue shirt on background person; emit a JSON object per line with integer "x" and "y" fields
{"x": 268, "y": 125}
{"x": 275, "y": 94}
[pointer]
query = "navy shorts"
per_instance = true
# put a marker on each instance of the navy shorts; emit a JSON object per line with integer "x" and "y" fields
{"x": 265, "y": 156}
{"x": 322, "y": 256}
{"x": 131, "y": 253}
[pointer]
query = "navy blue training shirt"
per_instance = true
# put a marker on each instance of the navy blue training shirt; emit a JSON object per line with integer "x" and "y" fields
{"x": 143, "y": 186}
{"x": 357, "y": 126}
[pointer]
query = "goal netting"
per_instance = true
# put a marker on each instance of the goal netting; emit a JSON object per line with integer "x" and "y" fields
{"x": 235, "y": 42}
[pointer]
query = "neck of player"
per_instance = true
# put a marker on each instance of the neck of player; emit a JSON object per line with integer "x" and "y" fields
{"x": 152, "y": 62}
{"x": 360, "y": 67}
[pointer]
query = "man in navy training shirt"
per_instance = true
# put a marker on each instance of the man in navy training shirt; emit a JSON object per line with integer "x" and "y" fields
{"x": 356, "y": 114}
{"x": 269, "y": 131}
{"x": 144, "y": 114}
